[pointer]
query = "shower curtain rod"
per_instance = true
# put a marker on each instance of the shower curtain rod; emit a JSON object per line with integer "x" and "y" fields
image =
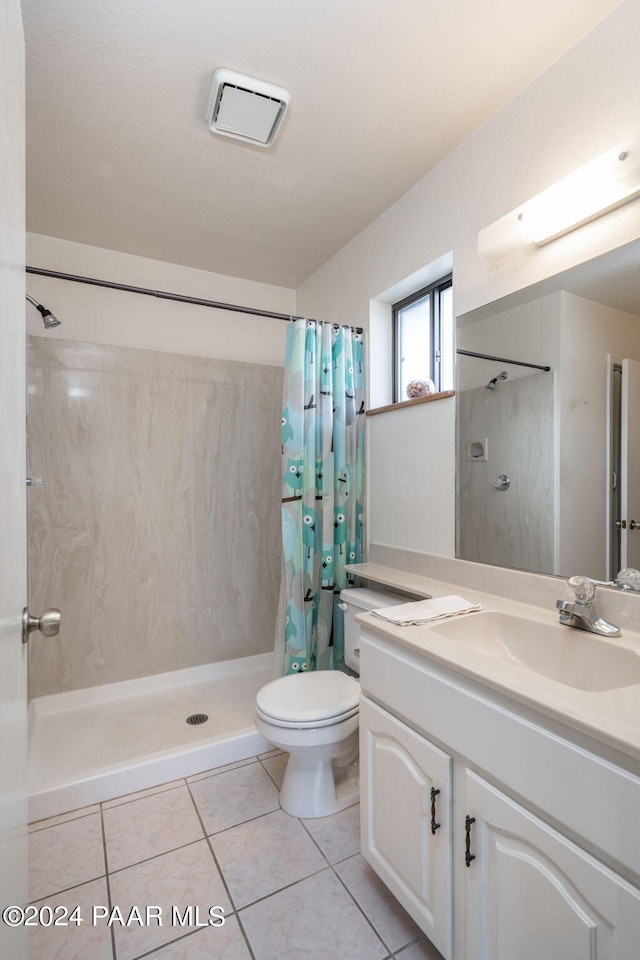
{"x": 164, "y": 295}
{"x": 516, "y": 363}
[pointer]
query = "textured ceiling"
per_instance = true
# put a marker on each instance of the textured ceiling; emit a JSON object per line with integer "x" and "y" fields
{"x": 119, "y": 154}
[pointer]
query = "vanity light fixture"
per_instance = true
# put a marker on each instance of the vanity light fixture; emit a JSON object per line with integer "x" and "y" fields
{"x": 605, "y": 183}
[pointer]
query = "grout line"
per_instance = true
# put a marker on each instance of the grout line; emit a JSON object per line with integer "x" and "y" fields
{"x": 223, "y": 768}
{"x": 277, "y": 785}
{"x": 163, "y": 946}
{"x": 34, "y": 828}
{"x": 150, "y": 792}
{"x": 243, "y": 823}
{"x": 215, "y": 859}
{"x": 234, "y": 910}
{"x": 156, "y": 856}
{"x": 106, "y": 878}
{"x": 273, "y": 893}
{"x": 246, "y": 938}
{"x": 268, "y": 754}
{"x": 311, "y": 836}
{"x": 57, "y": 893}
{"x": 377, "y": 933}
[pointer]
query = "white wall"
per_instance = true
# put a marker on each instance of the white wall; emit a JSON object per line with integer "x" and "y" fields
{"x": 528, "y": 332}
{"x": 405, "y": 459}
{"x": 590, "y": 331}
{"x": 584, "y": 104}
{"x": 98, "y": 315}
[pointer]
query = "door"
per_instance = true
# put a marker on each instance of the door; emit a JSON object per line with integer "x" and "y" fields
{"x": 532, "y": 894}
{"x": 13, "y": 587}
{"x": 406, "y": 819}
{"x": 630, "y": 464}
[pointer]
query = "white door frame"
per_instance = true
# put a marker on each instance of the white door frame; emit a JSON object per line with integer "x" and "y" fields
{"x": 13, "y": 544}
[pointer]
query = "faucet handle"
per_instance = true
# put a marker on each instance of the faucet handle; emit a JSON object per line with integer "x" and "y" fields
{"x": 582, "y": 589}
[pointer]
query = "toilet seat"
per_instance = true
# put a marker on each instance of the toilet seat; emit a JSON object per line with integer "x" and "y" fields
{"x": 307, "y": 724}
{"x": 316, "y": 699}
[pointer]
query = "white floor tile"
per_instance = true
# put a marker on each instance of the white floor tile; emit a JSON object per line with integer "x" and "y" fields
{"x": 182, "y": 878}
{"x": 150, "y": 826}
{"x": 275, "y": 766}
{"x": 221, "y": 943}
{"x": 74, "y": 942}
{"x": 264, "y": 855}
{"x": 338, "y": 836}
{"x": 422, "y": 950}
{"x": 388, "y": 917}
{"x": 233, "y": 797}
{"x": 313, "y": 919}
{"x": 65, "y": 855}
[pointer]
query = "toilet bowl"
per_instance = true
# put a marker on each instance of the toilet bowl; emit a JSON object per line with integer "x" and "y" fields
{"x": 314, "y": 718}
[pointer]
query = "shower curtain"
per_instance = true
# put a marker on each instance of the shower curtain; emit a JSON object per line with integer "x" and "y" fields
{"x": 322, "y": 490}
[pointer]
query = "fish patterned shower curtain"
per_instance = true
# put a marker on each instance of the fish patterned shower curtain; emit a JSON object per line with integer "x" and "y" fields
{"x": 322, "y": 490}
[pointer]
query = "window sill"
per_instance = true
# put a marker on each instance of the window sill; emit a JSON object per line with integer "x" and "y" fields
{"x": 411, "y": 403}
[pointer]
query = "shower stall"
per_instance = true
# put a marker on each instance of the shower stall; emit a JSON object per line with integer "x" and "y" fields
{"x": 506, "y": 512}
{"x": 154, "y": 526}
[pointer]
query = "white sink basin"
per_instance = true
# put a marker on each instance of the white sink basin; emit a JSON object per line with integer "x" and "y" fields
{"x": 573, "y": 657}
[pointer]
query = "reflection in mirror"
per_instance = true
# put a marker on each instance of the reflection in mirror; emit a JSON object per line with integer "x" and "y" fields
{"x": 548, "y": 472}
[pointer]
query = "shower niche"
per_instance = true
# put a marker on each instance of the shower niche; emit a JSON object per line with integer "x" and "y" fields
{"x": 475, "y": 450}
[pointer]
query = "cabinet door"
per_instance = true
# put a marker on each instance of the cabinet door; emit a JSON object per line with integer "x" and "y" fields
{"x": 407, "y": 847}
{"x": 531, "y": 894}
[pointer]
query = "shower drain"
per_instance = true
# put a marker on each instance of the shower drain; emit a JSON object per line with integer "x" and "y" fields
{"x": 197, "y": 718}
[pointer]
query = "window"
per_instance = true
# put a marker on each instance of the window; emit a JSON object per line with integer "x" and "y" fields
{"x": 423, "y": 340}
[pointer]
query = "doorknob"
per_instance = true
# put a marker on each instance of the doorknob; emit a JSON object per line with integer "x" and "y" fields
{"x": 48, "y": 624}
{"x": 634, "y": 525}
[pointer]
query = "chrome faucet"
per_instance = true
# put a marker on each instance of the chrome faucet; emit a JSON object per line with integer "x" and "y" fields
{"x": 581, "y": 611}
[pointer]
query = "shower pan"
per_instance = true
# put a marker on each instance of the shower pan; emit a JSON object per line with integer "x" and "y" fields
{"x": 96, "y": 744}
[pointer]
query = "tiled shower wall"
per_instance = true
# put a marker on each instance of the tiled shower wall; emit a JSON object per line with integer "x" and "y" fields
{"x": 156, "y": 530}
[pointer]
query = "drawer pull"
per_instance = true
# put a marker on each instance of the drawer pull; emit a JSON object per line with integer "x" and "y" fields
{"x": 434, "y": 825}
{"x": 468, "y": 856}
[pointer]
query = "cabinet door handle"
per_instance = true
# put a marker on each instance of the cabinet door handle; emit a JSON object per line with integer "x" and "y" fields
{"x": 434, "y": 794}
{"x": 468, "y": 856}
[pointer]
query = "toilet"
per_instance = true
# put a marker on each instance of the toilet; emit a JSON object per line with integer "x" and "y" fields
{"x": 314, "y": 718}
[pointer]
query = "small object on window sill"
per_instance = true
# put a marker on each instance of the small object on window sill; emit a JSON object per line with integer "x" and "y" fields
{"x": 420, "y": 388}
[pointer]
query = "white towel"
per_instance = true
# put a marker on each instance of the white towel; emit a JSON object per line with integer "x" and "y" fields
{"x": 423, "y": 611}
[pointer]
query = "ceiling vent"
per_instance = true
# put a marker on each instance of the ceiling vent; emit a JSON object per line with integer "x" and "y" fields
{"x": 245, "y": 108}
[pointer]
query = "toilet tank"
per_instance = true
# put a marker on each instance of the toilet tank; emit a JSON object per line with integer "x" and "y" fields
{"x": 361, "y": 600}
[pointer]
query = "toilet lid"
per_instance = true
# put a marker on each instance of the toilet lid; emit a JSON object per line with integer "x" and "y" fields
{"x": 309, "y": 697}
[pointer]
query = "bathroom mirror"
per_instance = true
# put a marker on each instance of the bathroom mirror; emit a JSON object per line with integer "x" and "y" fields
{"x": 548, "y": 470}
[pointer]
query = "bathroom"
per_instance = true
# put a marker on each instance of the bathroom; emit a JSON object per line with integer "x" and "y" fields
{"x": 580, "y": 103}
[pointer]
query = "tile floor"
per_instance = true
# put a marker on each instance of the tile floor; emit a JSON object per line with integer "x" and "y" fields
{"x": 289, "y": 888}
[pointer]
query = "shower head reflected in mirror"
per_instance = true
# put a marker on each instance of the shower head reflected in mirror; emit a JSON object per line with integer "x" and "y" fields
{"x": 492, "y": 383}
{"x": 48, "y": 318}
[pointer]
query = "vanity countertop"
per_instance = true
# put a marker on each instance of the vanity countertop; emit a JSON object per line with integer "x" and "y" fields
{"x": 610, "y": 717}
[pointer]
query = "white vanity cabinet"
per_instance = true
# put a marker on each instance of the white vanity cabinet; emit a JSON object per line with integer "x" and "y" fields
{"x": 532, "y": 894}
{"x": 537, "y": 856}
{"x": 406, "y": 818}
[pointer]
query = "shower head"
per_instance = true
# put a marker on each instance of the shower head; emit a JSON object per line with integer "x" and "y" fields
{"x": 492, "y": 383}
{"x": 48, "y": 318}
